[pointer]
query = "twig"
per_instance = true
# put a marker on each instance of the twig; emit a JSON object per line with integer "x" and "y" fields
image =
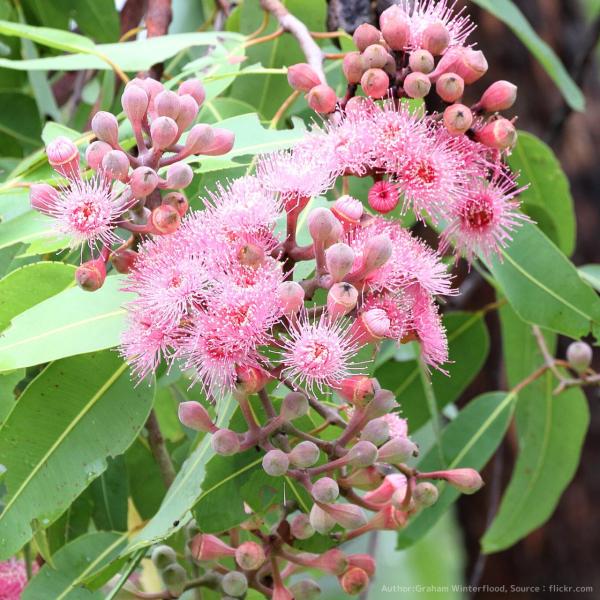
{"x": 158, "y": 19}
{"x": 281, "y": 110}
{"x": 548, "y": 358}
{"x": 159, "y": 450}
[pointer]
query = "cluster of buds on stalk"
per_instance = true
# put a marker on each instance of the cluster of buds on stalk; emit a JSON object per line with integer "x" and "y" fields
{"x": 139, "y": 189}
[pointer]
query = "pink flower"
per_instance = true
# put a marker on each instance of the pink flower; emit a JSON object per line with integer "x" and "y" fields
{"x": 398, "y": 427}
{"x": 13, "y": 578}
{"x": 396, "y": 309}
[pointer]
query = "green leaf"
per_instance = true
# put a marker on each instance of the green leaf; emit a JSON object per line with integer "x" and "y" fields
{"x": 468, "y": 343}
{"x": 544, "y": 287}
{"x": 508, "y": 13}
{"x": 19, "y": 118}
{"x": 53, "y": 38}
{"x": 73, "y": 564}
{"x": 31, "y": 227}
{"x": 468, "y": 441}
{"x": 59, "y": 435}
{"x": 591, "y": 274}
{"x": 8, "y": 382}
{"x": 98, "y": 19}
{"x": 548, "y": 199}
{"x": 73, "y": 523}
{"x": 29, "y": 285}
{"x": 109, "y": 495}
{"x": 72, "y": 322}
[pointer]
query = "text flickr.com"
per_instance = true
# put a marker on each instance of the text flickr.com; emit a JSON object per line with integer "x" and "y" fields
{"x": 490, "y": 589}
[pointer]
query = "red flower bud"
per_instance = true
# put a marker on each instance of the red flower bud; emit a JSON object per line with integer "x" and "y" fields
{"x": 579, "y": 356}
{"x": 106, "y": 127}
{"x": 362, "y": 454}
{"x": 500, "y": 134}
{"x": 348, "y": 516}
{"x": 321, "y": 223}
{"x": 304, "y": 455}
{"x": 200, "y": 138}
{"x": 301, "y": 528}
{"x": 398, "y": 450}
{"x": 348, "y": 210}
{"x": 395, "y": 28}
{"x": 375, "y": 83}
{"x": 417, "y": 85}
{"x": 123, "y": 260}
{"x": 467, "y": 481}
{"x": 366, "y": 35}
{"x": 178, "y": 201}
{"x": 179, "y": 175}
{"x": 251, "y": 379}
{"x": 294, "y": 406}
{"x": 363, "y": 561}
{"x": 371, "y": 326}
{"x": 383, "y": 402}
{"x": 325, "y": 490}
{"x": 302, "y": 77}
{"x": 291, "y": 297}
{"x": 194, "y": 88}
{"x": 322, "y": 99}
{"x": 42, "y": 197}
{"x": 166, "y": 104}
{"x": 435, "y": 38}
{"x": 374, "y": 57}
{"x": 501, "y": 95}
{"x": 275, "y": 463}
{"x": 339, "y": 259}
{"x": 450, "y": 87}
{"x": 376, "y": 253}
{"x": 333, "y": 561}
{"x": 250, "y": 556}
{"x": 225, "y": 442}
{"x": 341, "y": 299}
{"x": 209, "y": 547}
{"x": 421, "y": 61}
{"x": 390, "y": 485}
{"x": 164, "y": 132}
{"x": 90, "y": 275}
{"x": 143, "y": 181}
{"x": 63, "y": 157}
{"x": 383, "y": 196}
{"x": 135, "y": 103}
{"x": 222, "y": 143}
{"x": 352, "y": 66}
{"x": 358, "y": 390}
{"x": 458, "y": 119}
{"x": 467, "y": 63}
{"x": 95, "y": 152}
{"x": 354, "y": 581}
{"x": 188, "y": 111}
{"x": 165, "y": 219}
{"x": 115, "y": 165}
{"x": 193, "y": 415}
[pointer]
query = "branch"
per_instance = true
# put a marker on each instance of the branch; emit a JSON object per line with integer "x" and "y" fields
{"x": 158, "y": 19}
{"x": 159, "y": 450}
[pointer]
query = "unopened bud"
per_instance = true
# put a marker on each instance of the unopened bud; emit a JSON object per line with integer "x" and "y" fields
{"x": 354, "y": 581}
{"x": 435, "y": 38}
{"x": 275, "y": 463}
{"x": 301, "y": 528}
{"x": 302, "y": 77}
{"x": 194, "y": 88}
{"x": 353, "y": 67}
{"x": 250, "y": 556}
{"x": 251, "y": 379}
{"x": 421, "y": 61}
{"x": 579, "y": 355}
{"x": 143, "y": 181}
{"x": 362, "y": 454}
{"x": 42, "y": 197}
{"x": 458, "y": 119}
{"x": 366, "y": 35}
{"x": 166, "y": 104}
{"x": 209, "y": 547}
{"x": 348, "y": 516}
{"x": 467, "y": 481}
{"x": 123, "y": 260}
{"x": 371, "y": 326}
{"x": 135, "y": 103}
{"x": 325, "y": 490}
{"x": 383, "y": 402}
{"x": 363, "y": 561}
{"x": 320, "y": 520}
{"x": 115, "y": 165}
{"x": 90, "y": 275}
{"x": 225, "y": 442}
{"x": 375, "y": 83}
{"x": 164, "y": 132}
{"x": 178, "y": 201}
{"x": 322, "y": 99}
{"x": 222, "y": 143}
{"x": 425, "y": 494}
{"x": 339, "y": 259}
{"x": 305, "y": 589}
{"x": 291, "y": 297}
{"x": 174, "y": 578}
{"x": 163, "y": 556}
{"x": 376, "y": 431}
{"x": 348, "y": 210}
{"x": 193, "y": 415}
{"x": 499, "y": 134}
{"x": 63, "y": 157}
{"x": 341, "y": 299}
{"x": 294, "y": 406}
{"x": 501, "y": 95}
{"x": 450, "y": 87}
{"x": 374, "y": 57}
{"x": 188, "y": 111}
{"x": 234, "y": 583}
{"x": 467, "y": 63}
{"x": 165, "y": 219}
{"x": 395, "y": 27}
{"x": 358, "y": 390}
{"x": 200, "y": 138}
{"x": 383, "y": 196}
{"x": 321, "y": 222}
{"x": 106, "y": 127}
{"x": 365, "y": 479}
{"x": 95, "y": 152}
{"x": 417, "y": 85}
{"x": 398, "y": 450}
{"x": 179, "y": 176}
{"x": 304, "y": 455}
{"x": 333, "y": 561}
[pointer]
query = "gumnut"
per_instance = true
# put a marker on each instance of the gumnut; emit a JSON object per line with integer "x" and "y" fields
{"x": 167, "y": 104}
{"x": 194, "y": 88}
{"x": 320, "y": 520}
{"x": 383, "y": 402}
{"x": 341, "y": 299}
{"x": 193, "y": 415}
{"x": 209, "y": 547}
{"x": 435, "y": 38}
{"x": 234, "y": 583}
{"x": 63, "y": 157}
{"x": 358, "y": 390}
{"x": 222, "y": 143}
{"x": 501, "y": 95}
{"x": 123, "y": 260}
{"x": 302, "y": 77}
{"x": 321, "y": 223}
{"x": 225, "y": 442}
{"x": 250, "y": 556}
{"x": 143, "y": 181}
{"x": 115, "y": 165}
{"x": 371, "y": 326}
{"x": 354, "y": 581}
{"x": 389, "y": 486}
{"x": 375, "y": 57}
{"x": 304, "y": 455}
{"x": 174, "y": 578}
{"x": 417, "y": 85}
{"x": 376, "y": 431}
{"x": 188, "y": 110}
{"x": 365, "y": 479}
{"x": 363, "y": 561}
{"x": 352, "y": 66}
{"x": 348, "y": 516}
{"x": 291, "y": 297}
{"x": 398, "y": 450}
{"x": 579, "y": 356}
{"x": 106, "y": 127}
{"x": 499, "y": 134}
{"x": 305, "y": 589}
{"x": 95, "y": 152}
{"x": 395, "y": 27}
{"x": 179, "y": 176}
{"x": 450, "y": 87}
{"x": 333, "y": 561}
{"x": 165, "y": 219}
{"x": 164, "y": 132}
{"x": 383, "y": 196}
{"x": 377, "y": 252}
{"x": 301, "y": 527}
{"x": 366, "y": 35}
{"x": 467, "y": 63}
{"x": 178, "y": 201}
{"x": 339, "y": 259}
{"x": 458, "y": 119}
{"x": 251, "y": 379}
{"x": 42, "y": 197}
{"x": 421, "y": 61}
{"x": 322, "y": 99}
{"x": 362, "y": 454}
{"x": 425, "y": 494}
{"x": 325, "y": 490}
{"x": 348, "y": 210}
{"x": 90, "y": 275}
{"x": 163, "y": 556}
{"x": 275, "y": 463}
{"x": 135, "y": 103}
{"x": 199, "y": 138}
{"x": 294, "y": 406}
{"x": 375, "y": 83}
{"x": 467, "y": 481}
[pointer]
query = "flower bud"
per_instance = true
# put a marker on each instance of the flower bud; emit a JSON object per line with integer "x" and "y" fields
{"x": 166, "y": 104}
{"x": 499, "y": 134}
{"x": 339, "y": 259}
{"x": 398, "y": 450}
{"x": 435, "y": 38}
{"x": 366, "y": 35}
{"x": 250, "y": 556}
{"x": 174, "y": 577}
{"x": 501, "y": 95}
{"x": 375, "y": 83}
{"x": 325, "y": 490}
{"x": 301, "y": 528}
{"x": 354, "y": 581}
{"x": 302, "y": 77}
{"x": 359, "y": 105}
{"x": 275, "y": 463}
{"x": 234, "y": 583}
{"x": 467, "y": 481}
{"x": 162, "y": 556}
{"x": 348, "y": 516}
{"x": 417, "y": 85}
{"x": 321, "y": 222}
{"x": 149, "y": 85}
{"x": 294, "y": 406}
{"x": 291, "y": 297}
{"x": 42, "y": 197}
{"x": 304, "y": 455}
{"x": 225, "y": 442}
{"x": 371, "y": 326}
{"x": 364, "y": 479}
{"x": 333, "y": 561}
{"x": 193, "y": 415}
{"x": 363, "y": 561}
{"x": 341, "y": 299}
{"x": 123, "y": 260}
{"x": 383, "y": 402}
{"x": 95, "y": 152}
{"x": 378, "y": 250}
{"x": 425, "y": 494}
{"x": 352, "y": 66}
{"x": 90, "y": 275}
{"x": 579, "y": 356}
{"x": 467, "y": 63}
{"x": 165, "y": 219}
{"x": 421, "y": 61}
{"x": 395, "y": 482}
{"x": 362, "y": 454}
{"x": 358, "y": 390}
{"x": 320, "y": 520}
{"x": 135, "y": 103}
{"x": 164, "y": 132}
{"x": 179, "y": 176}
{"x": 188, "y": 111}
{"x": 348, "y": 210}
{"x": 222, "y": 143}
{"x": 200, "y": 138}
{"x": 106, "y": 127}
{"x": 458, "y": 119}
{"x": 395, "y": 27}
{"x": 209, "y": 547}
{"x": 251, "y": 379}
{"x": 322, "y": 99}
{"x": 63, "y": 157}
{"x": 450, "y": 87}
{"x": 383, "y": 196}
{"x": 376, "y": 431}
{"x": 374, "y": 57}
{"x": 178, "y": 201}
{"x": 143, "y": 181}
{"x": 115, "y": 165}
{"x": 194, "y": 88}
{"x": 305, "y": 589}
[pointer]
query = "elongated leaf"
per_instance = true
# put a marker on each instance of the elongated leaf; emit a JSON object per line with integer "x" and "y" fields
{"x": 507, "y": 12}
{"x": 74, "y": 401}
{"x": 72, "y": 322}
{"x": 468, "y": 441}
{"x": 109, "y": 496}
{"x": 548, "y": 199}
{"x": 8, "y": 382}
{"x": 74, "y": 563}
{"x": 19, "y": 118}
{"x": 30, "y": 227}
{"x": 544, "y": 287}
{"x": 591, "y": 274}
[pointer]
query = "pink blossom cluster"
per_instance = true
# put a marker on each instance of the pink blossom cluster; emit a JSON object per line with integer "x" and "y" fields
{"x": 13, "y": 578}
